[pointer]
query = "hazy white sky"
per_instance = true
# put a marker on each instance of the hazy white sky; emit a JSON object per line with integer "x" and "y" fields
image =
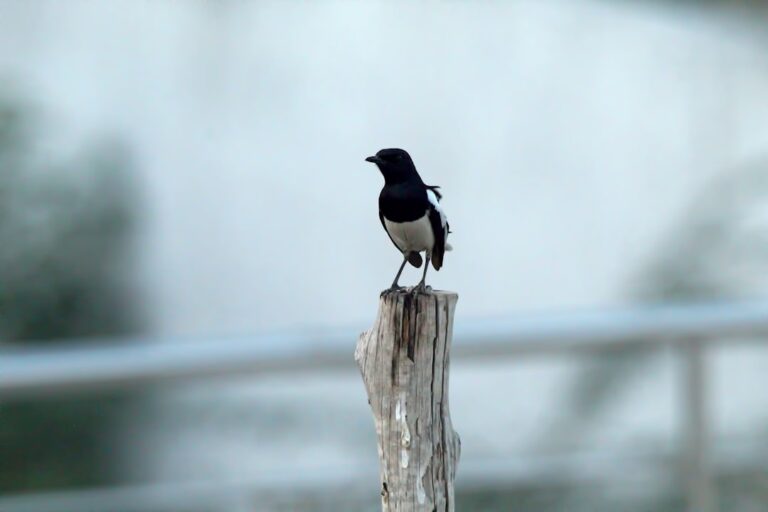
{"x": 567, "y": 137}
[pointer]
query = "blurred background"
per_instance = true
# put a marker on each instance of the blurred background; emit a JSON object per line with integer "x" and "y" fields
{"x": 191, "y": 174}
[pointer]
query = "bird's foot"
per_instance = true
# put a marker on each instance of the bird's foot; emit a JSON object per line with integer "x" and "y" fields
{"x": 421, "y": 288}
{"x": 392, "y": 289}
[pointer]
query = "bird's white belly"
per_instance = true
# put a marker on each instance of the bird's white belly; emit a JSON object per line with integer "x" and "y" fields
{"x": 412, "y": 236}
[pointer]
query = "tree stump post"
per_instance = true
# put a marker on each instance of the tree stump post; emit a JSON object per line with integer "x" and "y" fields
{"x": 404, "y": 361}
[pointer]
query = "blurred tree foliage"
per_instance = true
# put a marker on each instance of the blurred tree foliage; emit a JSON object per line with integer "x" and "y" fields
{"x": 717, "y": 251}
{"x": 64, "y": 272}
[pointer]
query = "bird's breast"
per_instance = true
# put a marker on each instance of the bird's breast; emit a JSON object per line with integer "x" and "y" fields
{"x": 413, "y": 235}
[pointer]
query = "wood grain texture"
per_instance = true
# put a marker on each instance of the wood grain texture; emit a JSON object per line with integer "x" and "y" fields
{"x": 404, "y": 360}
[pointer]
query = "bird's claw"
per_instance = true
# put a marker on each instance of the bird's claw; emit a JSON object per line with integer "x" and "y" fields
{"x": 392, "y": 289}
{"x": 419, "y": 288}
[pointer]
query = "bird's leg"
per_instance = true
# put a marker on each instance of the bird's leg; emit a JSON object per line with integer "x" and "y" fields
{"x": 422, "y": 286}
{"x": 395, "y": 286}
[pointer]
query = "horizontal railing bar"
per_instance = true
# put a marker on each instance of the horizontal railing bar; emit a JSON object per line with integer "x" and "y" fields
{"x": 106, "y": 364}
{"x": 653, "y": 468}
{"x": 591, "y": 330}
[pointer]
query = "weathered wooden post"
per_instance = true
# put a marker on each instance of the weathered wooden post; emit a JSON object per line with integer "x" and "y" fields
{"x": 404, "y": 360}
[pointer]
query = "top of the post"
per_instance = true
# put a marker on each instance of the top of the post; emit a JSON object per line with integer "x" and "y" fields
{"x": 409, "y": 296}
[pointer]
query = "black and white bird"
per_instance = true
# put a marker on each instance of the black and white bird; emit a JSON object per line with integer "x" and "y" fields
{"x": 410, "y": 212}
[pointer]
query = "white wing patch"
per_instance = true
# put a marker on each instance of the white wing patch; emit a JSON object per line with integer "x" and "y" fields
{"x": 436, "y": 204}
{"x": 443, "y": 218}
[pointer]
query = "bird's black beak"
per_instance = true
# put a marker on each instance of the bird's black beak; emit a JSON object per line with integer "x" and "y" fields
{"x": 374, "y": 160}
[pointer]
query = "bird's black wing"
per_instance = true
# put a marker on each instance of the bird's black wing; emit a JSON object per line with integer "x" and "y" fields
{"x": 414, "y": 258}
{"x": 438, "y": 229}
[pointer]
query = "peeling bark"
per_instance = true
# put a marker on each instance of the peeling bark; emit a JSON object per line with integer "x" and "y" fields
{"x": 404, "y": 361}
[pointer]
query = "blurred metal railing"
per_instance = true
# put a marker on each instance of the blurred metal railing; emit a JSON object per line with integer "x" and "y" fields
{"x": 26, "y": 373}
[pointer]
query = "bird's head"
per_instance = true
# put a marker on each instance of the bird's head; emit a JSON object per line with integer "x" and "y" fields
{"x": 395, "y": 164}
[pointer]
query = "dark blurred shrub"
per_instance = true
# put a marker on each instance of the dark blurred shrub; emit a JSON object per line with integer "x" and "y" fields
{"x": 65, "y": 272}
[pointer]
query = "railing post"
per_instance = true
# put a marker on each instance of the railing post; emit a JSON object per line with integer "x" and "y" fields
{"x": 696, "y": 431}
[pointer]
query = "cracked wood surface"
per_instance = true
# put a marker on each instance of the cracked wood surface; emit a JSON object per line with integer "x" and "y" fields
{"x": 404, "y": 361}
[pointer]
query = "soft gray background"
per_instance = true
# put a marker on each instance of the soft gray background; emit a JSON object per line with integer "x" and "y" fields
{"x": 578, "y": 145}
